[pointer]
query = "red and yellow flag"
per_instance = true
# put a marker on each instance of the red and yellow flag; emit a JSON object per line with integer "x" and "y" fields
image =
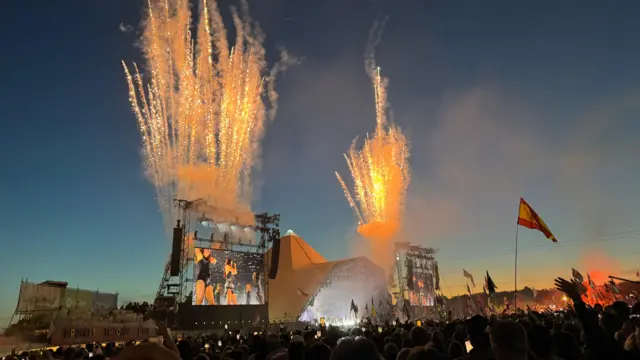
{"x": 528, "y": 218}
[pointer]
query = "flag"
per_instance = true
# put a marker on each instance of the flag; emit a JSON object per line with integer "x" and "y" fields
{"x": 466, "y": 274}
{"x": 591, "y": 283}
{"x": 576, "y": 275}
{"x": 437, "y": 275}
{"x": 484, "y": 289}
{"x": 373, "y": 309}
{"x": 614, "y": 287}
{"x": 353, "y": 308}
{"x": 491, "y": 286}
{"x": 582, "y": 289}
{"x": 480, "y": 302}
{"x": 405, "y": 308}
{"x": 530, "y": 219}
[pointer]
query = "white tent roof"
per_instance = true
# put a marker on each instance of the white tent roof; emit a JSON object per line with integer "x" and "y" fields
{"x": 301, "y": 271}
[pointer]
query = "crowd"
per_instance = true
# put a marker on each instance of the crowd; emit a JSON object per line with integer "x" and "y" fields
{"x": 583, "y": 333}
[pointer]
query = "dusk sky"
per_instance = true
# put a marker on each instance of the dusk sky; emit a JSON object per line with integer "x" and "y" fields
{"x": 500, "y": 99}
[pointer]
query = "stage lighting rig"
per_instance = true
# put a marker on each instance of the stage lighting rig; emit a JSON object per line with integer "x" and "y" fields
{"x": 269, "y": 227}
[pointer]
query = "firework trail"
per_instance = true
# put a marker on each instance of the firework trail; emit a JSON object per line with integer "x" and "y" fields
{"x": 381, "y": 176}
{"x": 201, "y": 112}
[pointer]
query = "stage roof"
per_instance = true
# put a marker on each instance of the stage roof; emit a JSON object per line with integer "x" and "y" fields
{"x": 301, "y": 272}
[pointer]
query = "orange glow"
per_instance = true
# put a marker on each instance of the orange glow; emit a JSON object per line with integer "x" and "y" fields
{"x": 599, "y": 266}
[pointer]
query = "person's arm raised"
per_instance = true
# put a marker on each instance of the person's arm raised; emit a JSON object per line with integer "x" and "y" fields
{"x": 166, "y": 338}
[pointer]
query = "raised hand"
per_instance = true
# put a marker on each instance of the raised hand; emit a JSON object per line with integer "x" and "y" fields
{"x": 570, "y": 288}
{"x": 162, "y": 328}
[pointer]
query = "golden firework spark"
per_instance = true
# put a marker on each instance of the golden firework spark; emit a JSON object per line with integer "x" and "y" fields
{"x": 200, "y": 112}
{"x": 381, "y": 174}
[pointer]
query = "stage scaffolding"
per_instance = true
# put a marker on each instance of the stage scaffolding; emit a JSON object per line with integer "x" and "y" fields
{"x": 176, "y": 290}
{"x": 416, "y": 275}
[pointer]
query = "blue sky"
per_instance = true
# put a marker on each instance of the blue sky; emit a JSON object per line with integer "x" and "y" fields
{"x": 499, "y": 100}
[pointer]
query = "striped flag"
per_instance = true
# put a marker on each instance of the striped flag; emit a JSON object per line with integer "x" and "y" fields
{"x": 530, "y": 219}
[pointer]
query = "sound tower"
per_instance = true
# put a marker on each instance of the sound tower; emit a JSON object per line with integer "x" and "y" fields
{"x": 275, "y": 258}
{"x": 176, "y": 251}
{"x": 410, "y": 274}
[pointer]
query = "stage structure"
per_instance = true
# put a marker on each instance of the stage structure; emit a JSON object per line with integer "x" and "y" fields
{"x": 242, "y": 243}
{"x": 308, "y": 287}
{"x": 416, "y": 275}
{"x": 40, "y": 303}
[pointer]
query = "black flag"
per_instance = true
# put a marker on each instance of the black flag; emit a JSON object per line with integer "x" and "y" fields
{"x": 491, "y": 286}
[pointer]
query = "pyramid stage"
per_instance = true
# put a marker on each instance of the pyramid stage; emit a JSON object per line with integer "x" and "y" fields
{"x": 309, "y": 289}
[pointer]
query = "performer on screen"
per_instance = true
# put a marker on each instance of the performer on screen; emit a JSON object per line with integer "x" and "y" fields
{"x": 218, "y": 293}
{"x": 204, "y": 287}
{"x": 257, "y": 282}
{"x": 247, "y": 291}
{"x": 230, "y": 269}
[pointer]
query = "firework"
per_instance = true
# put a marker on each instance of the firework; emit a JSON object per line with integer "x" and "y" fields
{"x": 200, "y": 107}
{"x": 381, "y": 176}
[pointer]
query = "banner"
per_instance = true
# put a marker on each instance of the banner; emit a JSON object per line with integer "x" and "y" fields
{"x": 104, "y": 301}
{"x": 35, "y": 297}
{"x": 77, "y": 299}
{"x": 66, "y": 332}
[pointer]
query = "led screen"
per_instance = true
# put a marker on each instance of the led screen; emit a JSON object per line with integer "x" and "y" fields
{"x": 228, "y": 277}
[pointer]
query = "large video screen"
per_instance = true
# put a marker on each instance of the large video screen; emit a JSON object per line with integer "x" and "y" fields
{"x": 422, "y": 293}
{"x": 228, "y": 278}
{"x": 416, "y": 271}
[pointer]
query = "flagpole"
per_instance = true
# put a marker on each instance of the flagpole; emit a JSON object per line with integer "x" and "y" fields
{"x": 515, "y": 274}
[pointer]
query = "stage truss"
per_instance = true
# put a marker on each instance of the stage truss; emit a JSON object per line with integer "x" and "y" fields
{"x": 175, "y": 290}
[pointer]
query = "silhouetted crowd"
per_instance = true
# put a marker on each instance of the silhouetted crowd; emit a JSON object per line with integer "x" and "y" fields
{"x": 581, "y": 333}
